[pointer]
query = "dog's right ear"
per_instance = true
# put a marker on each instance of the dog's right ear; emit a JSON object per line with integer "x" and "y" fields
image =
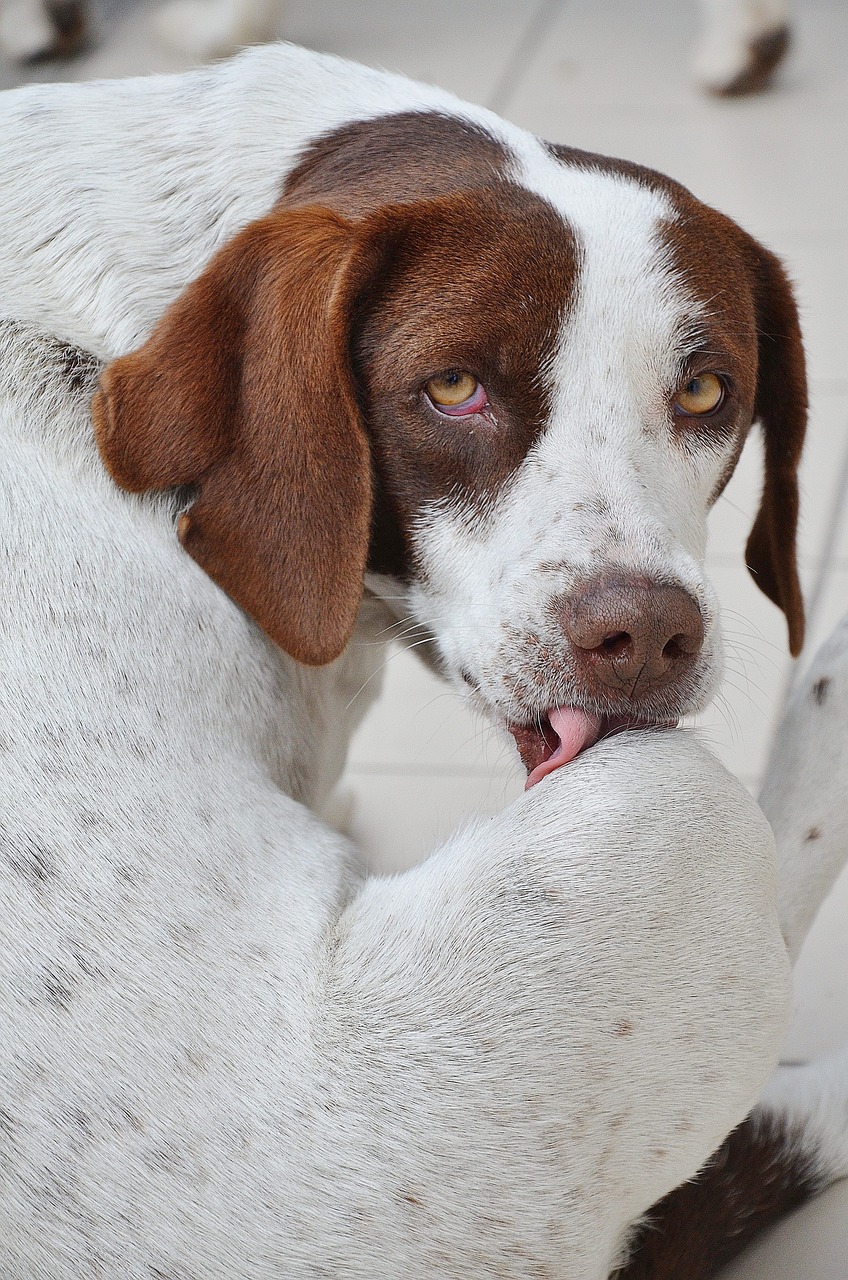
{"x": 781, "y": 407}
{"x": 245, "y": 390}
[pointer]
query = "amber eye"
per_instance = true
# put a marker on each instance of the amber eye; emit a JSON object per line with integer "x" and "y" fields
{"x": 701, "y": 395}
{"x": 452, "y": 389}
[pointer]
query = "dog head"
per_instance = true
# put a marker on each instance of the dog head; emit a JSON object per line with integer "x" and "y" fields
{"x": 507, "y": 381}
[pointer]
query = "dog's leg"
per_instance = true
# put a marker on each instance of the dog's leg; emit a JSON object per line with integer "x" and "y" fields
{"x": 804, "y": 794}
{"x": 35, "y": 29}
{"x": 792, "y": 1146}
{"x": 742, "y": 44}
{"x": 215, "y": 28}
{"x": 558, "y": 1015}
{"x": 796, "y": 1142}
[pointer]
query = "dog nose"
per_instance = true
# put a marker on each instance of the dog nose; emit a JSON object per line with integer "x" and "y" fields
{"x": 633, "y": 635}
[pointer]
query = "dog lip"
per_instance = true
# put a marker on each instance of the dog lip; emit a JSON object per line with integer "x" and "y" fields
{"x": 563, "y": 733}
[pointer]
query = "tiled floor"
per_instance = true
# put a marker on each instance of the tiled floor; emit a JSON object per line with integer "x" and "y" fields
{"x": 612, "y": 76}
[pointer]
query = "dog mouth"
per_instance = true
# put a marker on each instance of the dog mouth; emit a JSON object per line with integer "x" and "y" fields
{"x": 563, "y": 733}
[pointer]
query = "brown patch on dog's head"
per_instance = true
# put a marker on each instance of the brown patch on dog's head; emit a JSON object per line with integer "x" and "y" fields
{"x": 414, "y": 155}
{"x": 479, "y": 281}
{"x": 290, "y": 374}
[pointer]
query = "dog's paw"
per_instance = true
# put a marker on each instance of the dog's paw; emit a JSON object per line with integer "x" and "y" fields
{"x": 31, "y": 30}
{"x": 741, "y": 46}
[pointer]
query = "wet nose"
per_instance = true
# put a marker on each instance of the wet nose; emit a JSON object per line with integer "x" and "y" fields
{"x": 632, "y": 635}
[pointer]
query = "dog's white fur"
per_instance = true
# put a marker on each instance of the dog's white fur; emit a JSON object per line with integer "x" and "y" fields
{"x": 223, "y": 1053}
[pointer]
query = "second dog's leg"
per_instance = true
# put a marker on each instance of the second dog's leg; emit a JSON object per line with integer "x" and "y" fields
{"x": 805, "y": 794}
{"x": 742, "y": 44}
{"x": 35, "y": 29}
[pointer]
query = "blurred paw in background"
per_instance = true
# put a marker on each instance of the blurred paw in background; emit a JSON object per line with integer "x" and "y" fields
{"x": 741, "y": 44}
{"x": 33, "y": 31}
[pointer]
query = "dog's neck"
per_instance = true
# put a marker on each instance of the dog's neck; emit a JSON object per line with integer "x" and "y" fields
{"x": 116, "y": 196}
{"x": 140, "y": 600}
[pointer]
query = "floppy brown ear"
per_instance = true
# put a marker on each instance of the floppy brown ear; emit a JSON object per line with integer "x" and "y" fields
{"x": 781, "y": 407}
{"x": 245, "y": 390}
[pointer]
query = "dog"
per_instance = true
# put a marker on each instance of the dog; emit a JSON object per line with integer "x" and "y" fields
{"x": 290, "y": 347}
{"x": 741, "y": 45}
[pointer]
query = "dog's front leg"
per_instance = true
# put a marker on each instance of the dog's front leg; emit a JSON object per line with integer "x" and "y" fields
{"x": 529, "y": 1038}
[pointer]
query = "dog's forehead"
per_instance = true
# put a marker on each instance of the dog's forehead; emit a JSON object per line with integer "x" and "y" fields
{"x": 643, "y": 247}
{"x": 661, "y": 278}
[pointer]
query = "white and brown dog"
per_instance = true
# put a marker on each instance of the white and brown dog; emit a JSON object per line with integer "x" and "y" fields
{"x": 384, "y": 338}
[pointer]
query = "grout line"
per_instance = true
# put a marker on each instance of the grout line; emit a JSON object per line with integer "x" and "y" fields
{"x": 535, "y": 31}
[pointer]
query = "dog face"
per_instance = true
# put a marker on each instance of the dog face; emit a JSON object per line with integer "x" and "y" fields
{"x": 512, "y": 398}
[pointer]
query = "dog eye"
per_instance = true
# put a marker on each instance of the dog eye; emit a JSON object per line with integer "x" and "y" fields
{"x": 456, "y": 393}
{"x": 701, "y": 395}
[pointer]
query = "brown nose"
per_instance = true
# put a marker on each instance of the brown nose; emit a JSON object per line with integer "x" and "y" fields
{"x": 632, "y": 635}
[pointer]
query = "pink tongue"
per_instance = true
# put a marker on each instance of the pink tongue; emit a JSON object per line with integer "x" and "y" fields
{"x": 576, "y": 731}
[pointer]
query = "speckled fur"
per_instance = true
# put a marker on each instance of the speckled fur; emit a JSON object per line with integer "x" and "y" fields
{"x": 224, "y": 1055}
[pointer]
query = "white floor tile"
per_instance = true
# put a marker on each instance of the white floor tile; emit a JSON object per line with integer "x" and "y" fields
{"x": 739, "y": 724}
{"x": 810, "y": 1245}
{"x": 398, "y": 821}
{"x": 464, "y": 47}
{"x": 821, "y": 471}
{"x": 420, "y": 724}
{"x": 614, "y": 78}
{"x": 832, "y": 605}
{"x": 818, "y": 264}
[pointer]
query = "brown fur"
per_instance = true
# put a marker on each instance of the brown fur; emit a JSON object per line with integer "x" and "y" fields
{"x": 457, "y": 298}
{"x": 782, "y": 410}
{"x": 227, "y": 396}
{"x": 413, "y": 155}
{"x": 759, "y": 1174}
{"x": 757, "y": 329}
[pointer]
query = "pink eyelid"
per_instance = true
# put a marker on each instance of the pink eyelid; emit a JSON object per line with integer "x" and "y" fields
{"x": 474, "y": 404}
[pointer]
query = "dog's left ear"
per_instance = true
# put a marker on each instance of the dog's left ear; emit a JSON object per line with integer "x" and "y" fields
{"x": 245, "y": 391}
{"x": 781, "y": 408}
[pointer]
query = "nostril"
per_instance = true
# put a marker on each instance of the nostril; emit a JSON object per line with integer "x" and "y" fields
{"x": 613, "y": 646}
{"x": 674, "y": 648}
